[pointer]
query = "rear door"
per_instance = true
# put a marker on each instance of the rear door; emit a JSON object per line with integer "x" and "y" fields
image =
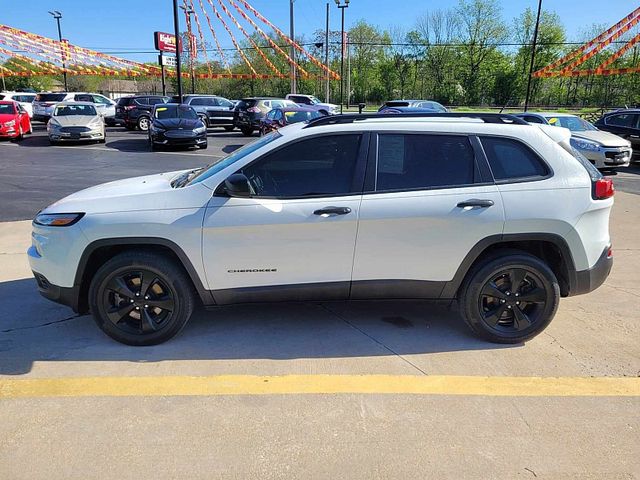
{"x": 294, "y": 238}
{"x": 626, "y": 125}
{"x": 428, "y": 201}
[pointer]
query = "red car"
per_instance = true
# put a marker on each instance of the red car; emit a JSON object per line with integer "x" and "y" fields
{"x": 14, "y": 120}
{"x": 281, "y": 117}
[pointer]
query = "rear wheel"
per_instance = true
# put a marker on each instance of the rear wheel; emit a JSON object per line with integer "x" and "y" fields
{"x": 141, "y": 298}
{"x": 247, "y": 131}
{"x": 143, "y": 123}
{"x": 510, "y": 298}
{"x": 229, "y": 128}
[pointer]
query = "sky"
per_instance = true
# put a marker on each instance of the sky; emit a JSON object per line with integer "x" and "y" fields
{"x": 127, "y": 27}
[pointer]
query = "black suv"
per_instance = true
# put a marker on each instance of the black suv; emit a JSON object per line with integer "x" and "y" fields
{"x": 135, "y": 111}
{"x": 213, "y": 110}
{"x": 624, "y": 123}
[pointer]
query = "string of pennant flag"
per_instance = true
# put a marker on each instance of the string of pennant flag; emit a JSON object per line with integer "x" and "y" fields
{"x": 37, "y": 55}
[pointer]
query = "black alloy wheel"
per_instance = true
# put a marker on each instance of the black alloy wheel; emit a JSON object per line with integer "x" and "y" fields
{"x": 141, "y": 298}
{"x": 510, "y": 297}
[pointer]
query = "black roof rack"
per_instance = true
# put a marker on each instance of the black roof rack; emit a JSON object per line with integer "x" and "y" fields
{"x": 503, "y": 118}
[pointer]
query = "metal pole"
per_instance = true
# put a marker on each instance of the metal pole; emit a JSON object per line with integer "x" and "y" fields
{"x": 294, "y": 85}
{"x": 348, "y": 70}
{"x": 176, "y": 31}
{"x": 164, "y": 86}
{"x": 326, "y": 54}
{"x": 342, "y": 61}
{"x": 533, "y": 56}
{"x": 64, "y": 66}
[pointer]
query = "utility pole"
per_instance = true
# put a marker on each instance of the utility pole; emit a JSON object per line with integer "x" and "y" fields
{"x": 326, "y": 55}
{"x": 533, "y": 56}
{"x": 348, "y": 69}
{"x": 292, "y": 34}
{"x": 342, "y": 7}
{"x": 57, "y": 15}
{"x": 176, "y": 32}
{"x": 192, "y": 45}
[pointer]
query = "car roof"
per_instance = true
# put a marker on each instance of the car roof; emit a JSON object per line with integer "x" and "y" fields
{"x": 624, "y": 110}
{"x": 296, "y": 109}
{"x": 76, "y": 103}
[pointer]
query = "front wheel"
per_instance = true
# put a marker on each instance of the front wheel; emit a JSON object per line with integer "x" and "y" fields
{"x": 203, "y": 146}
{"x": 141, "y": 298}
{"x": 247, "y": 131}
{"x": 229, "y": 128}
{"x": 509, "y": 298}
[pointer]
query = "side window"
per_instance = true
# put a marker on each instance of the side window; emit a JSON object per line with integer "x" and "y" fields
{"x": 155, "y": 100}
{"x": 413, "y": 161}
{"x": 510, "y": 158}
{"x": 223, "y": 102}
{"x": 84, "y": 98}
{"x": 101, "y": 100}
{"x": 271, "y": 115}
{"x": 142, "y": 101}
{"x": 278, "y": 115}
{"x": 198, "y": 102}
{"x": 622, "y": 120}
{"x": 320, "y": 166}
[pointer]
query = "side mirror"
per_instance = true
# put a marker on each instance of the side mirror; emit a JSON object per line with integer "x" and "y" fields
{"x": 237, "y": 185}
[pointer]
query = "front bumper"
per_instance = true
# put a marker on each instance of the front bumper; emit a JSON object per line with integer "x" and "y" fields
{"x": 64, "y": 295}
{"x": 588, "y": 280}
{"x": 609, "y": 156}
{"x": 165, "y": 138}
{"x": 9, "y": 132}
{"x": 76, "y": 137}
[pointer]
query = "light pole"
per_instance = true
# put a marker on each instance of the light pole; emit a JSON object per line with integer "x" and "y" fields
{"x": 533, "y": 56}
{"x": 294, "y": 85}
{"x": 176, "y": 32}
{"x": 57, "y": 15}
{"x": 187, "y": 16}
{"x": 342, "y": 7}
{"x": 326, "y": 54}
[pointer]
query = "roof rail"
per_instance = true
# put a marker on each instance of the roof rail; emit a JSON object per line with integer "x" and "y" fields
{"x": 503, "y": 118}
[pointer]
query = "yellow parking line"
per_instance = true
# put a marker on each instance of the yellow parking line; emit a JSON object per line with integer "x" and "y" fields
{"x": 319, "y": 384}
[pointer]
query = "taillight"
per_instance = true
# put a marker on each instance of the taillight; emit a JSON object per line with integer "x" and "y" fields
{"x": 129, "y": 107}
{"x": 253, "y": 110}
{"x": 610, "y": 252}
{"x": 603, "y": 188}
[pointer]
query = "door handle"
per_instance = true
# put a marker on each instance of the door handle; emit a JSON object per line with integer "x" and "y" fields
{"x": 475, "y": 202}
{"x": 333, "y": 211}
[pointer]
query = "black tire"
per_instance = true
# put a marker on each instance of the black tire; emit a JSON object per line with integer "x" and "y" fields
{"x": 53, "y": 142}
{"x": 203, "y": 146}
{"x": 103, "y": 140}
{"x": 229, "y": 128}
{"x": 129, "y": 126}
{"x": 247, "y": 131}
{"x": 128, "y": 273}
{"x": 496, "y": 313}
{"x": 143, "y": 123}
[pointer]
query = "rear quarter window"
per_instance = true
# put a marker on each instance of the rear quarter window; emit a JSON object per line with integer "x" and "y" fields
{"x": 512, "y": 160}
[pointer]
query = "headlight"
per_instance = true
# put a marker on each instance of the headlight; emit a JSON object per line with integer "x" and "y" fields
{"x": 10, "y": 123}
{"x": 53, "y": 124}
{"x": 57, "y": 219}
{"x": 585, "y": 144}
{"x": 200, "y": 129}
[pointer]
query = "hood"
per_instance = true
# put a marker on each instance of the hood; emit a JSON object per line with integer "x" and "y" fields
{"x": 75, "y": 120}
{"x": 150, "y": 192}
{"x": 178, "y": 123}
{"x": 605, "y": 139}
{"x": 330, "y": 106}
{"x": 7, "y": 117}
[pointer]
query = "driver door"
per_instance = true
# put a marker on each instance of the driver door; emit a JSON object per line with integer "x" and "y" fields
{"x": 294, "y": 237}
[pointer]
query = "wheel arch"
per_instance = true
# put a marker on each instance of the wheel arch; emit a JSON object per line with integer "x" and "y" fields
{"x": 548, "y": 247}
{"x": 99, "y": 251}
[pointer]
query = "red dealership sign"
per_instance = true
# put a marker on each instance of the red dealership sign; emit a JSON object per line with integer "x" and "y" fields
{"x": 165, "y": 42}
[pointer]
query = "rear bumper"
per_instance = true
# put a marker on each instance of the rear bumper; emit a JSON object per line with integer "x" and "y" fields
{"x": 588, "y": 280}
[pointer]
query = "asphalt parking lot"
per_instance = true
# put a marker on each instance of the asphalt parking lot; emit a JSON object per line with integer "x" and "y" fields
{"x": 305, "y": 390}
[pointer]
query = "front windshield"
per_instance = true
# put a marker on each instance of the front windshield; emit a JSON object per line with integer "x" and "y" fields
{"x": 68, "y": 110}
{"x": 6, "y": 108}
{"x": 175, "y": 111}
{"x": 295, "y": 117}
{"x": 238, "y": 154}
{"x": 575, "y": 124}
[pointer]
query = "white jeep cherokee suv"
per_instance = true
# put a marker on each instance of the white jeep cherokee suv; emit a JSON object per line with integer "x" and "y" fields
{"x": 501, "y": 215}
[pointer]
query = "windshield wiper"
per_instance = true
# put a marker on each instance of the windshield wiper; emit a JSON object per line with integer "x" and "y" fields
{"x": 186, "y": 177}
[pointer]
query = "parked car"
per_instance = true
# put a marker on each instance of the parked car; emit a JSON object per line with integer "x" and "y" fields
{"x": 14, "y": 120}
{"x": 213, "y": 110}
{"x": 44, "y": 103}
{"x": 336, "y": 210}
{"x": 105, "y": 106}
{"x": 603, "y": 149}
{"x": 174, "y": 124}
{"x": 314, "y": 103}
{"x": 24, "y": 99}
{"x": 625, "y": 123}
{"x": 75, "y": 121}
{"x": 250, "y": 111}
{"x": 427, "y": 104}
{"x": 135, "y": 111}
{"x": 281, "y": 117}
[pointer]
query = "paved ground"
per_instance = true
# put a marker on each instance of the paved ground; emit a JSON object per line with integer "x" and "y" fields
{"x": 316, "y": 390}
